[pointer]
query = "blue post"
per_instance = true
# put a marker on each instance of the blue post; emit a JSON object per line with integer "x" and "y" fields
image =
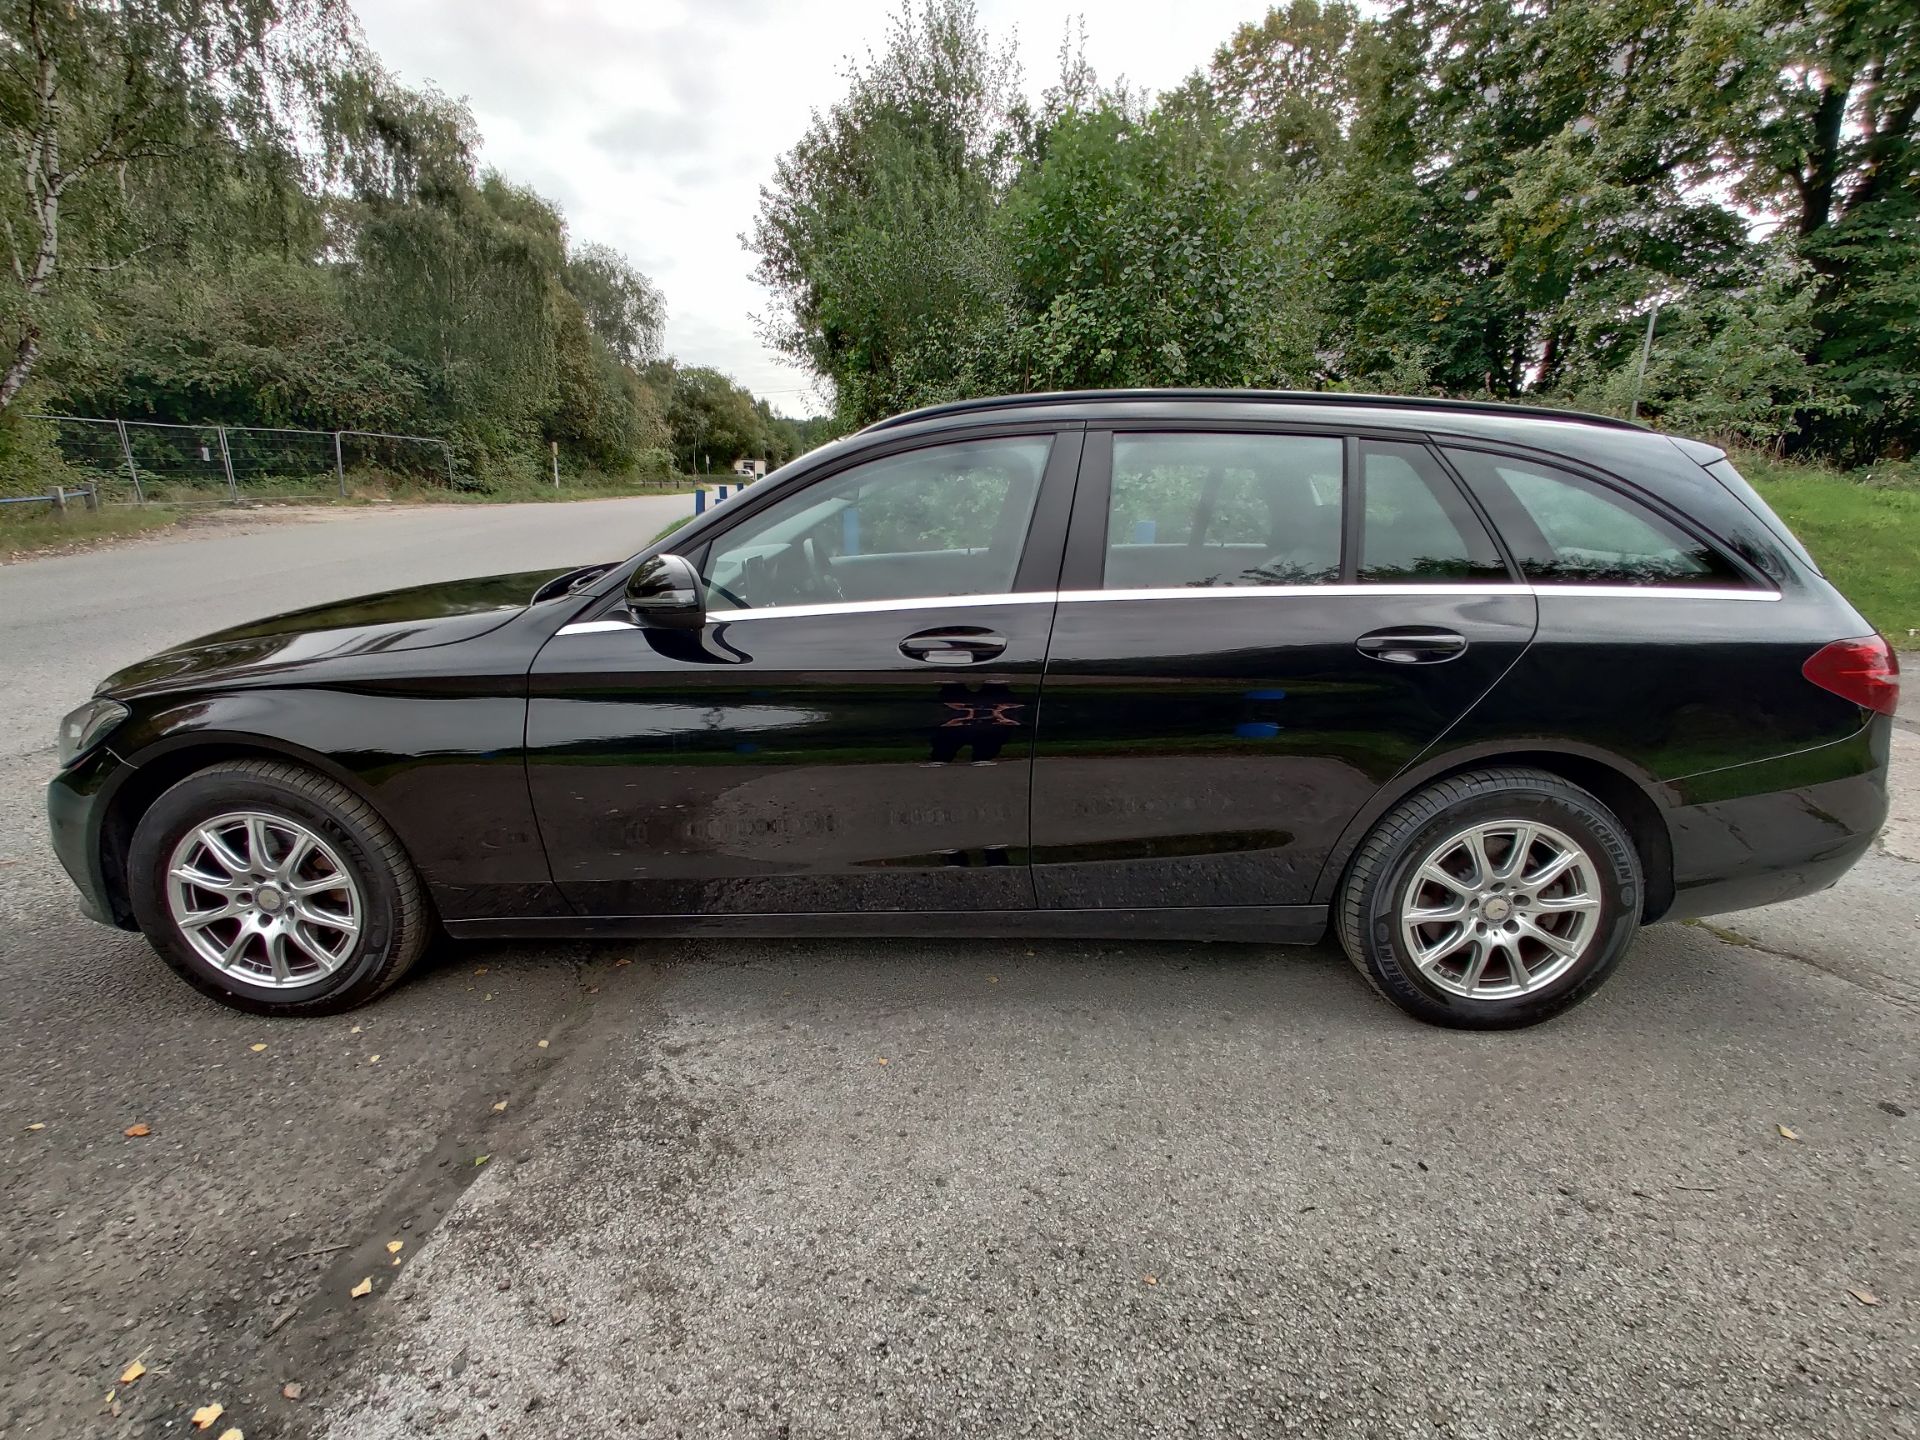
{"x": 722, "y": 495}
{"x": 850, "y": 530}
{"x": 1143, "y": 532}
{"x": 699, "y": 502}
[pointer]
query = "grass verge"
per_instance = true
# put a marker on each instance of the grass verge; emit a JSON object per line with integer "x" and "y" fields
{"x": 49, "y": 533}
{"x": 1865, "y": 536}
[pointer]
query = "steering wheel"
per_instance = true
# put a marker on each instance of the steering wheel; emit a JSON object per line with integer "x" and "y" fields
{"x": 824, "y": 580}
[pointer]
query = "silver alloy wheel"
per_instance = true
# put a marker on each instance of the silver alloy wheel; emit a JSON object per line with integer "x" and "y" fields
{"x": 263, "y": 899}
{"x": 1501, "y": 909}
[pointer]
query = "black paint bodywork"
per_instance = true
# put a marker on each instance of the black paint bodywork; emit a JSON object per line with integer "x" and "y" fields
{"x": 1181, "y": 765}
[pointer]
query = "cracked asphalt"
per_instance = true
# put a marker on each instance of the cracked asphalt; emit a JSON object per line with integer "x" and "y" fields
{"x": 924, "y": 1188}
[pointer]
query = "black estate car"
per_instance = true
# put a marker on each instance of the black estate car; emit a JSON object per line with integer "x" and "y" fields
{"x": 1482, "y": 688}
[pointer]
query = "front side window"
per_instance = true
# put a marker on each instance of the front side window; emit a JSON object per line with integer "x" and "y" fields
{"x": 945, "y": 520}
{"x": 1416, "y": 526}
{"x": 1566, "y": 529}
{"x": 1204, "y": 510}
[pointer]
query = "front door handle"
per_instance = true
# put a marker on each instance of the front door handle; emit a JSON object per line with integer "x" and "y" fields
{"x": 1411, "y": 646}
{"x": 961, "y": 645}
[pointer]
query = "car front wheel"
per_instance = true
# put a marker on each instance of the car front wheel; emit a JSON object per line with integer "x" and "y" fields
{"x": 276, "y": 890}
{"x": 1492, "y": 899}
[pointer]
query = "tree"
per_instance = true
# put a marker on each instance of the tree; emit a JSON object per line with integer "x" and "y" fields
{"x": 622, "y": 306}
{"x": 101, "y": 104}
{"x": 875, "y": 235}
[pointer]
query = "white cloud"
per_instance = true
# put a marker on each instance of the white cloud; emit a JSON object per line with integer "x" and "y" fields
{"x": 653, "y": 123}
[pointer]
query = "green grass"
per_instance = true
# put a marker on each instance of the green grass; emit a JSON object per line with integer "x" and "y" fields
{"x": 1866, "y": 537}
{"x": 44, "y": 530}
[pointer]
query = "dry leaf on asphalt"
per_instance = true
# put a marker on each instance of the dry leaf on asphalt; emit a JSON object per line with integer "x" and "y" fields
{"x": 1151, "y": 1279}
{"x": 373, "y": 1059}
{"x": 481, "y": 1159}
{"x": 365, "y": 1287}
{"x": 1786, "y": 1134}
{"x": 38, "y": 1125}
{"x": 132, "y": 1373}
{"x": 480, "y": 970}
{"x": 232, "y": 1432}
{"x": 134, "y": 1132}
{"x": 543, "y": 1044}
{"x": 204, "y": 1417}
{"x": 394, "y": 1246}
{"x": 291, "y": 1390}
{"x": 618, "y": 963}
{"x": 354, "y": 1031}
{"x": 879, "y": 1059}
{"x": 256, "y": 1048}
{"x": 1865, "y": 1297}
{"x": 500, "y": 1105}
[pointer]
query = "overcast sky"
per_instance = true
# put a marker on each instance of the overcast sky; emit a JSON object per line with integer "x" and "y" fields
{"x": 653, "y": 123}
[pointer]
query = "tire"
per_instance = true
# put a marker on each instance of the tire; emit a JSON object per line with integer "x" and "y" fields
{"x": 351, "y": 922}
{"x": 1419, "y": 860}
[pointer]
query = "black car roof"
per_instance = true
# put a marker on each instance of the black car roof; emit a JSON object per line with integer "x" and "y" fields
{"x": 1090, "y": 404}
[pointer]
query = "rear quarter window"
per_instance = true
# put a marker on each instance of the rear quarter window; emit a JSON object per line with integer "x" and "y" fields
{"x": 1566, "y": 529}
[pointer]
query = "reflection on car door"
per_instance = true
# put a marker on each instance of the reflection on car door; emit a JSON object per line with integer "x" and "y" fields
{"x": 1255, "y": 632}
{"x": 852, "y": 730}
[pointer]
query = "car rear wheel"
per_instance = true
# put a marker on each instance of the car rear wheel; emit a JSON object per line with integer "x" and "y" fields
{"x": 276, "y": 890}
{"x": 1492, "y": 899}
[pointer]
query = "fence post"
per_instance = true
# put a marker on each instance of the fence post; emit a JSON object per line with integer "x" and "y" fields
{"x": 93, "y": 497}
{"x": 60, "y": 499}
{"x": 339, "y": 465}
{"x": 556, "y": 464}
{"x": 226, "y": 459}
{"x": 700, "y": 500}
{"x": 447, "y": 450}
{"x": 126, "y": 449}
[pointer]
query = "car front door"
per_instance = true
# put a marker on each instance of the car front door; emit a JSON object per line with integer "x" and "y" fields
{"x": 1256, "y": 631}
{"x": 852, "y": 728}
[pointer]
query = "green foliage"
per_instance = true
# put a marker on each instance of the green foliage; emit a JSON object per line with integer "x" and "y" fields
{"x": 1453, "y": 196}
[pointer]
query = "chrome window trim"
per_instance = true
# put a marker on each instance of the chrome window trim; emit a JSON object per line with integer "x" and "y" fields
{"x": 1193, "y": 592}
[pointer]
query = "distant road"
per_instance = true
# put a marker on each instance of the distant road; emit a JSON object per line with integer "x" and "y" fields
{"x": 87, "y": 615}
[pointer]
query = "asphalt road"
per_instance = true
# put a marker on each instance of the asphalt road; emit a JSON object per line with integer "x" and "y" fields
{"x": 924, "y": 1188}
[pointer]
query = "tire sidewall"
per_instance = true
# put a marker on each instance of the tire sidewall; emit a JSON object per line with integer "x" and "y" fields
{"x": 199, "y": 798}
{"x": 1591, "y": 826}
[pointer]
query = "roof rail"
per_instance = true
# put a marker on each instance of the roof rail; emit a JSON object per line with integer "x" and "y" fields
{"x": 1277, "y": 397}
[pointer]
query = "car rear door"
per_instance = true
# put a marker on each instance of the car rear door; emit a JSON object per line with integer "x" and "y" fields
{"x": 1257, "y": 629}
{"x": 852, "y": 728}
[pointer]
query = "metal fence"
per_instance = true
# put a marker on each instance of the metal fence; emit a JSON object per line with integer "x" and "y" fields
{"x": 137, "y": 460}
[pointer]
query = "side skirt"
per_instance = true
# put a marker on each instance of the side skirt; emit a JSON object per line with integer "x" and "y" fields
{"x": 1266, "y": 924}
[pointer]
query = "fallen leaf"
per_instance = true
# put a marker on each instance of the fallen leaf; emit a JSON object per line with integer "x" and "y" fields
{"x": 1865, "y": 1297}
{"x": 132, "y": 1373}
{"x": 232, "y": 1432}
{"x": 618, "y": 963}
{"x": 365, "y": 1287}
{"x": 38, "y": 1125}
{"x": 593, "y": 989}
{"x": 500, "y": 1105}
{"x": 1786, "y": 1134}
{"x": 543, "y": 1044}
{"x": 993, "y": 979}
{"x": 291, "y": 1390}
{"x": 879, "y": 1059}
{"x": 354, "y": 1031}
{"x": 1151, "y": 1279}
{"x": 373, "y": 1059}
{"x": 481, "y": 1159}
{"x": 480, "y": 970}
{"x": 394, "y": 1246}
{"x": 204, "y": 1417}
{"x": 134, "y": 1132}
{"x": 256, "y": 1048}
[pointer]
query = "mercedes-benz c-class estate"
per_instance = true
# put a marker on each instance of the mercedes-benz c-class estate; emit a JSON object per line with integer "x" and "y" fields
{"x": 1481, "y": 689}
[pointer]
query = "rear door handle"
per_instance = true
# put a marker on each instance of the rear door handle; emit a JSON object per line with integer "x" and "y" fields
{"x": 961, "y": 645}
{"x": 1411, "y": 647}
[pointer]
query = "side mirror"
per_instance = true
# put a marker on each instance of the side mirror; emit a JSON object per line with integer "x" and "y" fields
{"x": 664, "y": 592}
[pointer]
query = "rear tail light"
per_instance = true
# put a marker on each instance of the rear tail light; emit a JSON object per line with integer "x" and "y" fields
{"x": 1867, "y": 672}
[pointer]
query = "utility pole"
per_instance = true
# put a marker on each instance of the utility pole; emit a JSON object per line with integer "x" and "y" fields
{"x": 1640, "y": 375}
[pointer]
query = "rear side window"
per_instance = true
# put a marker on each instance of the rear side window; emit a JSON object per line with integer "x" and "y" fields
{"x": 1723, "y": 471}
{"x": 1212, "y": 510}
{"x": 1566, "y": 529}
{"x": 1416, "y": 525}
